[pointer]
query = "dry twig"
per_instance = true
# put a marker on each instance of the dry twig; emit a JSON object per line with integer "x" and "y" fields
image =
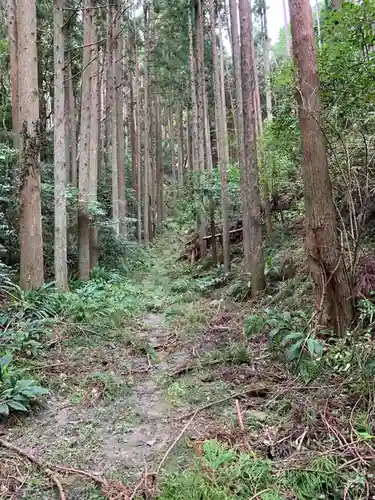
{"x": 35, "y": 461}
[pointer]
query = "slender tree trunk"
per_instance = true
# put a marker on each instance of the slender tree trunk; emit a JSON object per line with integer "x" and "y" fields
{"x": 189, "y": 144}
{"x": 236, "y": 55}
{"x": 94, "y": 135}
{"x": 288, "y": 42}
{"x": 61, "y": 265}
{"x": 318, "y": 22}
{"x": 200, "y": 115}
{"x": 121, "y": 130}
{"x": 12, "y": 37}
{"x": 223, "y": 99}
{"x": 220, "y": 139}
{"x": 326, "y": 262}
{"x": 193, "y": 94}
{"x": 146, "y": 124}
{"x": 159, "y": 168}
{"x": 258, "y": 111}
{"x": 31, "y": 239}
{"x": 138, "y": 147}
{"x": 266, "y": 52}
{"x": 132, "y": 124}
{"x": 336, "y": 4}
{"x": 84, "y": 155}
{"x": 251, "y": 156}
{"x": 114, "y": 129}
{"x": 72, "y": 128}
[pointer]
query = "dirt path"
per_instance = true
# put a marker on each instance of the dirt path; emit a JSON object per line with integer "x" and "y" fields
{"x": 114, "y": 420}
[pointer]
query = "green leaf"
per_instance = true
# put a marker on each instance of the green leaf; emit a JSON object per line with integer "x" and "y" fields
{"x": 293, "y": 351}
{"x": 16, "y": 406}
{"x": 291, "y": 336}
{"x": 20, "y": 397}
{"x": 5, "y": 361}
{"x": 4, "y": 409}
{"x": 23, "y": 384}
{"x": 34, "y": 391}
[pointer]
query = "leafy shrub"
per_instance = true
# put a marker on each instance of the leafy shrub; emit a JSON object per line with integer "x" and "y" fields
{"x": 15, "y": 393}
{"x": 287, "y": 331}
{"x": 224, "y": 474}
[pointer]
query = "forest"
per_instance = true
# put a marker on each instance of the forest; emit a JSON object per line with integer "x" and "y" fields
{"x": 187, "y": 266}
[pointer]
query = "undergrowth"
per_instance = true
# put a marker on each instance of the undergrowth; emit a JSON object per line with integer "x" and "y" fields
{"x": 222, "y": 473}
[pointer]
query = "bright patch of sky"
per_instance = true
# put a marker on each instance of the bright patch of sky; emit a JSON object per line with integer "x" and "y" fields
{"x": 275, "y": 17}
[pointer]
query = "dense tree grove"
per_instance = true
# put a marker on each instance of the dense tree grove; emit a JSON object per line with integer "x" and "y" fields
{"x": 138, "y": 123}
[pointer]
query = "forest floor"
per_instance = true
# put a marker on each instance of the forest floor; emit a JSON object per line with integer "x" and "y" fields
{"x": 180, "y": 384}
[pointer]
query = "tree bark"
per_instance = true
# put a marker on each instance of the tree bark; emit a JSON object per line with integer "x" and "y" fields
{"x": 193, "y": 96}
{"x": 84, "y": 156}
{"x": 138, "y": 146}
{"x": 12, "y": 37}
{"x": 220, "y": 139}
{"x": 114, "y": 129}
{"x": 31, "y": 239}
{"x": 146, "y": 124}
{"x": 326, "y": 262}
{"x": 60, "y": 163}
{"x": 94, "y": 136}
{"x": 159, "y": 167}
{"x": 266, "y": 52}
{"x": 236, "y": 56}
{"x": 286, "y": 28}
{"x": 251, "y": 156}
{"x": 72, "y": 129}
{"x": 223, "y": 99}
{"x": 120, "y": 103}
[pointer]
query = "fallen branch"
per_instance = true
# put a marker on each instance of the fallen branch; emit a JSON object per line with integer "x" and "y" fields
{"x": 257, "y": 391}
{"x": 220, "y": 235}
{"x": 35, "y": 461}
{"x": 96, "y": 479}
{"x": 176, "y": 441}
{"x": 239, "y": 415}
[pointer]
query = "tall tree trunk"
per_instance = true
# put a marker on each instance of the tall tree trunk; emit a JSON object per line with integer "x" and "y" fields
{"x": 200, "y": 114}
{"x": 236, "y": 55}
{"x": 114, "y": 129}
{"x": 60, "y": 165}
{"x": 72, "y": 127}
{"x": 288, "y": 43}
{"x": 132, "y": 125}
{"x": 180, "y": 142}
{"x": 84, "y": 154}
{"x": 146, "y": 124}
{"x": 220, "y": 139}
{"x": 266, "y": 53}
{"x": 138, "y": 146}
{"x": 31, "y": 239}
{"x": 258, "y": 111}
{"x": 326, "y": 262}
{"x": 159, "y": 167}
{"x": 189, "y": 162}
{"x": 193, "y": 95}
{"x": 251, "y": 157}
{"x": 94, "y": 135}
{"x": 120, "y": 102}
{"x": 172, "y": 148}
{"x": 223, "y": 99}
{"x": 12, "y": 37}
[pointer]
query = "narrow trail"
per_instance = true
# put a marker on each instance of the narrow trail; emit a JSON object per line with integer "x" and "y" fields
{"x": 118, "y": 422}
